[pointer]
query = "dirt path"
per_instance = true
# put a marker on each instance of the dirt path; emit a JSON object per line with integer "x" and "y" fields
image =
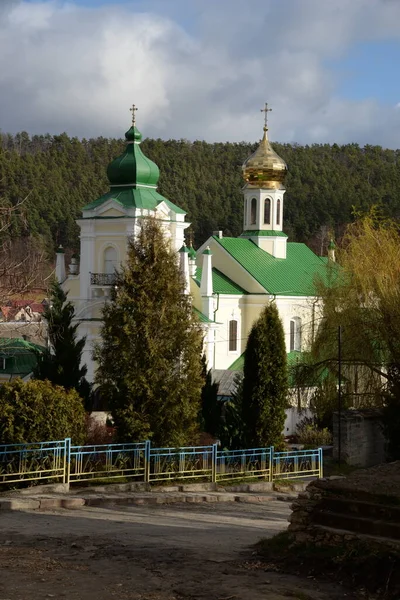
{"x": 181, "y": 552}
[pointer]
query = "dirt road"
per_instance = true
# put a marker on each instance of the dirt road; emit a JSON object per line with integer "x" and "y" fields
{"x": 180, "y": 552}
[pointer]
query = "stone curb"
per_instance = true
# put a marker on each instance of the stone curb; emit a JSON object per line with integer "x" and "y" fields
{"x": 12, "y": 504}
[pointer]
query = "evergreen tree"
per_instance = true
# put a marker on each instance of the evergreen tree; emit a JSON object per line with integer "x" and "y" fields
{"x": 231, "y": 432}
{"x": 61, "y": 362}
{"x": 210, "y": 405}
{"x": 265, "y": 383}
{"x": 149, "y": 359}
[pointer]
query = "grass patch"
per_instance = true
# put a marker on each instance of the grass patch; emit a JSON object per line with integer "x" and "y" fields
{"x": 332, "y": 468}
{"x": 356, "y": 563}
{"x": 289, "y": 482}
{"x": 242, "y": 481}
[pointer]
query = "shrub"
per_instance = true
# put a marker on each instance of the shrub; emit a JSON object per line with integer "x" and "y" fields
{"x": 39, "y": 411}
{"x": 311, "y": 436}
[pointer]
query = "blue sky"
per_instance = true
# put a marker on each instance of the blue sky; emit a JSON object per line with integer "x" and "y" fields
{"x": 369, "y": 71}
{"x": 202, "y": 69}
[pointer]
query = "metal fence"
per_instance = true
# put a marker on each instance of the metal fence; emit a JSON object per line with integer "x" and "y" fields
{"x": 108, "y": 461}
{"x": 59, "y": 461}
{"x": 297, "y": 464}
{"x": 34, "y": 462}
{"x": 187, "y": 462}
{"x": 237, "y": 464}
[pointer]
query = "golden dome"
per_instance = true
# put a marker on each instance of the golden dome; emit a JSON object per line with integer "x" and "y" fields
{"x": 264, "y": 168}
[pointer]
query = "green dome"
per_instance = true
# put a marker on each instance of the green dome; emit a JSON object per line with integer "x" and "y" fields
{"x": 133, "y": 167}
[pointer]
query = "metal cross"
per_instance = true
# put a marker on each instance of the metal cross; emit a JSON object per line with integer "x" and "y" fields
{"x": 133, "y": 110}
{"x": 266, "y": 110}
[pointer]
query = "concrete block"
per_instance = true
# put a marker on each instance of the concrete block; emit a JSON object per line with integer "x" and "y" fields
{"x": 199, "y": 487}
{"x": 226, "y": 497}
{"x": 19, "y": 504}
{"x": 252, "y": 499}
{"x": 210, "y": 498}
{"x": 71, "y": 503}
{"x": 50, "y": 503}
{"x": 166, "y": 488}
{"x": 195, "y": 499}
{"x": 47, "y": 488}
{"x": 262, "y": 486}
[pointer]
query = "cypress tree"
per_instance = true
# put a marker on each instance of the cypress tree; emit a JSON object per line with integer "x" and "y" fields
{"x": 210, "y": 405}
{"x": 61, "y": 362}
{"x": 265, "y": 384}
{"x": 149, "y": 359}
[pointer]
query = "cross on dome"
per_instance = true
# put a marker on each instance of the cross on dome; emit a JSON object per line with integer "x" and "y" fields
{"x": 266, "y": 110}
{"x": 133, "y": 109}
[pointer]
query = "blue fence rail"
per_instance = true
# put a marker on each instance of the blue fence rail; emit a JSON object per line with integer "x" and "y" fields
{"x": 235, "y": 464}
{"x": 59, "y": 461}
{"x": 180, "y": 463}
{"x": 296, "y": 464}
{"x": 111, "y": 460}
{"x": 34, "y": 462}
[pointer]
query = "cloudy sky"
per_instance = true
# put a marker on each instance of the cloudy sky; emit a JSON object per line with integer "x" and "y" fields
{"x": 202, "y": 69}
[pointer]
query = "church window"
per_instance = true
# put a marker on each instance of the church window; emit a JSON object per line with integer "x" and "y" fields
{"x": 253, "y": 215}
{"x": 278, "y": 212}
{"x": 267, "y": 211}
{"x": 110, "y": 260}
{"x": 295, "y": 334}
{"x": 233, "y": 335}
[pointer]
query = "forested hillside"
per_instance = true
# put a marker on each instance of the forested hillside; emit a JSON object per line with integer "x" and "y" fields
{"x": 58, "y": 175}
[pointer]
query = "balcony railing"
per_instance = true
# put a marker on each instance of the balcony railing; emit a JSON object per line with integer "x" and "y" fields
{"x": 102, "y": 278}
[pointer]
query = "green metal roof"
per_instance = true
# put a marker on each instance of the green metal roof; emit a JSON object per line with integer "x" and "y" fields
{"x": 133, "y": 179}
{"x": 237, "y": 364}
{"x": 130, "y": 197}
{"x": 262, "y": 233}
{"x": 291, "y": 276}
{"x": 133, "y": 167}
{"x": 20, "y": 356}
{"x": 201, "y": 316}
{"x": 221, "y": 283}
{"x": 293, "y": 358}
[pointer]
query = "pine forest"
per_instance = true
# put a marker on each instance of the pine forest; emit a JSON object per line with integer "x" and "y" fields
{"x": 326, "y": 184}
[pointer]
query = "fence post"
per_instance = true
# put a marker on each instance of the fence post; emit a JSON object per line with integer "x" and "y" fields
{"x": 214, "y": 463}
{"x": 67, "y": 460}
{"x": 321, "y": 463}
{"x": 271, "y": 463}
{"x": 147, "y": 461}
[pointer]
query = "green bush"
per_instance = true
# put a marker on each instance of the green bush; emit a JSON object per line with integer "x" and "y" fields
{"x": 311, "y": 436}
{"x": 39, "y": 411}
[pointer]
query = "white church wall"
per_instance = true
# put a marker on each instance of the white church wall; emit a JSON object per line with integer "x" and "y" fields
{"x": 300, "y": 307}
{"x": 293, "y": 419}
{"x": 229, "y": 308}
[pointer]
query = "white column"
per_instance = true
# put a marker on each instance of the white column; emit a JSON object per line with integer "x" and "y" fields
{"x": 60, "y": 265}
{"x": 184, "y": 266}
{"x": 206, "y": 285}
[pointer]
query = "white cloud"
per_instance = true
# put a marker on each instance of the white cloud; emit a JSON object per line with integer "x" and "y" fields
{"x": 64, "y": 67}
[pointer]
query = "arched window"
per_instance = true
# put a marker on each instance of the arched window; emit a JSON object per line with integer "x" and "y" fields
{"x": 278, "y": 212}
{"x": 295, "y": 334}
{"x": 253, "y": 212}
{"x": 267, "y": 211}
{"x": 233, "y": 335}
{"x": 110, "y": 260}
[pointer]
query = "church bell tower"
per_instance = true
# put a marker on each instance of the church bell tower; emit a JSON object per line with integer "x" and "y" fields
{"x": 264, "y": 173}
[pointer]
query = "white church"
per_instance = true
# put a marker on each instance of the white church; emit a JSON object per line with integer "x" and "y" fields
{"x": 229, "y": 279}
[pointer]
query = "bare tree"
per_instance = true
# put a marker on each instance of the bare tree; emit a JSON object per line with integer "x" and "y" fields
{"x": 23, "y": 261}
